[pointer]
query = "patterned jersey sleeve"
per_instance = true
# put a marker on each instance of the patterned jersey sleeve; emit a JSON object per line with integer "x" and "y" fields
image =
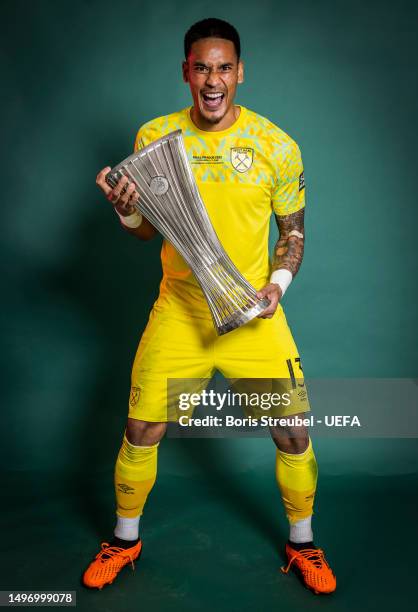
{"x": 140, "y": 140}
{"x": 147, "y": 133}
{"x": 288, "y": 194}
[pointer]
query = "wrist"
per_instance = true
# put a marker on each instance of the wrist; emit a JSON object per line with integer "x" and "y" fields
{"x": 131, "y": 221}
{"x": 283, "y": 278}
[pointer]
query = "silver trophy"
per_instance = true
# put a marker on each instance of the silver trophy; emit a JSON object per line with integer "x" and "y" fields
{"x": 170, "y": 200}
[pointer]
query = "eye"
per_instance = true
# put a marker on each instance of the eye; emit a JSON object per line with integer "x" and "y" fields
{"x": 201, "y": 68}
{"x": 226, "y": 67}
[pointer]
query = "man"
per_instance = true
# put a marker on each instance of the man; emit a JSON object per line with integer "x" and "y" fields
{"x": 245, "y": 168}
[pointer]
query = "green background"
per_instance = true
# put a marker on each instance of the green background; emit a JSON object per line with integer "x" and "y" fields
{"x": 80, "y": 78}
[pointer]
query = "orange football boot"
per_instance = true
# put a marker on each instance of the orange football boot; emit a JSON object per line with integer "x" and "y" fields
{"x": 108, "y": 563}
{"x": 313, "y": 568}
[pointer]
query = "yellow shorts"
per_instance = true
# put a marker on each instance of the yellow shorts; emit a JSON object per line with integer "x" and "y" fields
{"x": 177, "y": 346}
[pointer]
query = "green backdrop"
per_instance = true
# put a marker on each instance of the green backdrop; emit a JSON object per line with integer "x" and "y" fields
{"x": 79, "y": 78}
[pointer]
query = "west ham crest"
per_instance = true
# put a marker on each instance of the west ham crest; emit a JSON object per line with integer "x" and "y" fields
{"x": 134, "y": 397}
{"x": 242, "y": 158}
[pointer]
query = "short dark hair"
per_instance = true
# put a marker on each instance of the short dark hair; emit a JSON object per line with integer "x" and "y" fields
{"x": 211, "y": 28}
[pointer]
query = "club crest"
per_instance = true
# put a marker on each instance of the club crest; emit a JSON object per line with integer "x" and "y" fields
{"x": 134, "y": 397}
{"x": 242, "y": 158}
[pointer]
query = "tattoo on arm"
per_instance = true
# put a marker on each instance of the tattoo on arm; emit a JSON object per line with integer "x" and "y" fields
{"x": 288, "y": 251}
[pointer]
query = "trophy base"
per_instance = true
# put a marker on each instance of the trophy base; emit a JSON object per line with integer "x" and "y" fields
{"x": 243, "y": 317}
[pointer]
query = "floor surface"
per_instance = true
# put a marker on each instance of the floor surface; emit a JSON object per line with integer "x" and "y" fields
{"x": 213, "y": 537}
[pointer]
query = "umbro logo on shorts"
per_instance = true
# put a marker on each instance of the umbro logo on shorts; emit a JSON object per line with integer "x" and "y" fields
{"x": 124, "y": 488}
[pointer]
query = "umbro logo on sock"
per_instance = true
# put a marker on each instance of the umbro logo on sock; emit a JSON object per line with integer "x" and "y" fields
{"x": 125, "y": 488}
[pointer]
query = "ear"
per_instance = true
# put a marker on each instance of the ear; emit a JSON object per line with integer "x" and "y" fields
{"x": 185, "y": 69}
{"x": 240, "y": 71}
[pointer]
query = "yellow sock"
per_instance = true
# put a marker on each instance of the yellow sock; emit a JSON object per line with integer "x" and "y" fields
{"x": 296, "y": 475}
{"x": 135, "y": 474}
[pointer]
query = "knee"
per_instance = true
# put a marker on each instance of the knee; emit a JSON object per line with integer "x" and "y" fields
{"x": 294, "y": 446}
{"x": 290, "y": 442}
{"x": 144, "y": 433}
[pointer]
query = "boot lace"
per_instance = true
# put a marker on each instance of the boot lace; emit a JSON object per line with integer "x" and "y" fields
{"x": 109, "y": 552}
{"x": 313, "y": 555}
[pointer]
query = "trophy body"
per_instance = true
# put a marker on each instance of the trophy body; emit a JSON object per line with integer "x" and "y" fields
{"x": 170, "y": 200}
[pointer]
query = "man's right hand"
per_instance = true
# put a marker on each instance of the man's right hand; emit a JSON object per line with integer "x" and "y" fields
{"x": 123, "y": 198}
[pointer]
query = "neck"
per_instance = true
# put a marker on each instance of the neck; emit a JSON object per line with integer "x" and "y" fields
{"x": 225, "y": 123}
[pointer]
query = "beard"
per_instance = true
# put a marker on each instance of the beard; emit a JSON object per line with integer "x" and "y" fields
{"x": 212, "y": 117}
{"x": 214, "y": 120}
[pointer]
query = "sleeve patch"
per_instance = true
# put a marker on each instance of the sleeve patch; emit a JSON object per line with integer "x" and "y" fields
{"x": 301, "y": 181}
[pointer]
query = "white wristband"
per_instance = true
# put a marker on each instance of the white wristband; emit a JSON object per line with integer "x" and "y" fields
{"x": 283, "y": 278}
{"x": 132, "y": 221}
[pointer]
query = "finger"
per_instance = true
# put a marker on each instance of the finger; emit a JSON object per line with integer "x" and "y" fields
{"x": 121, "y": 186}
{"x": 101, "y": 181}
{"x": 127, "y": 204}
{"x": 126, "y": 195}
{"x": 264, "y": 312}
{"x": 267, "y": 290}
{"x": 274, "y": 300}
{"x": 265, "y": 315}
{"x": 114, "y": 195}
{"x": 268, "y": 311}
{"x": 102, "y": 174}
{"x": 271, "y": 308}
{"x": 134, "y": 199}
{"x": 135, "y": 195}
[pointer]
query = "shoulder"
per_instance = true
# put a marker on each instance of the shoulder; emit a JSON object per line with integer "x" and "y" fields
{"x": 280, "y": 144}
{"x": 155, "y": 128}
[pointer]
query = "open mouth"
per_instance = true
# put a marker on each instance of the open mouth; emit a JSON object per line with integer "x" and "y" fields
{"x": 212, "y": 100}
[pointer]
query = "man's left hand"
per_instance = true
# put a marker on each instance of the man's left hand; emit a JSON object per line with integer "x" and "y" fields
{"x": 273, "y": 292}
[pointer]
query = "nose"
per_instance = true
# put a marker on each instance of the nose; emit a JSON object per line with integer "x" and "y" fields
{"x": 212, "y": 79}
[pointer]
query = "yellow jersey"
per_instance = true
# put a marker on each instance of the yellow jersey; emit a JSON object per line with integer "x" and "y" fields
{"x": 243, "y": 173}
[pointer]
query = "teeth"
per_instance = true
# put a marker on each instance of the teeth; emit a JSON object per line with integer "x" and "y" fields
{"x": 213, "y": 95}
